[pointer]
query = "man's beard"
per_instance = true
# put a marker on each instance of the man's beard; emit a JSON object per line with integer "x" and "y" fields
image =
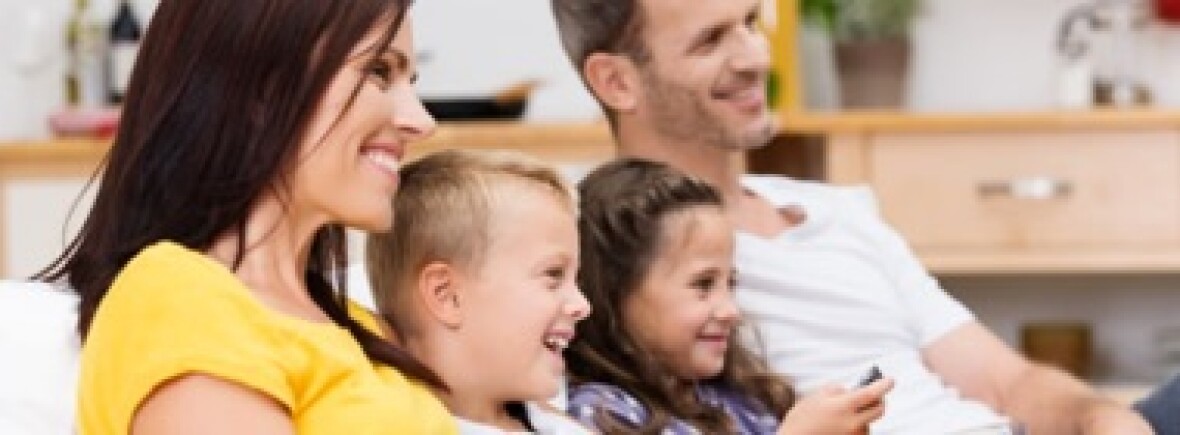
{"x": 680, "y": 116}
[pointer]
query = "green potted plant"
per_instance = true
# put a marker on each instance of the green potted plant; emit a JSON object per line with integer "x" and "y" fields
{"x": 872, "y": 47}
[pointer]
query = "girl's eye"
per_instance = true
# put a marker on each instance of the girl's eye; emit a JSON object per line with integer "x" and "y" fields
{"x": 704, "y": 284}
{"x": 380, "y": 70}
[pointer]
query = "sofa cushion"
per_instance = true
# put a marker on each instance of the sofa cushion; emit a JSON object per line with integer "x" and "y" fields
{"x": 39, "y": 363}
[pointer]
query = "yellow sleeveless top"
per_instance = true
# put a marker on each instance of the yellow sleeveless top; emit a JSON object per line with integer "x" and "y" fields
{"x": 172, "y": 311}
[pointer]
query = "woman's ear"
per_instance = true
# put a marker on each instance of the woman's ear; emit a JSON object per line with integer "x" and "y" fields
{"x": 439, "y": 289}
{"x": 614, "y": 79}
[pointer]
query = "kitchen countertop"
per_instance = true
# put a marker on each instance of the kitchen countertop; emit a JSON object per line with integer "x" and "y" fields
{"x": 891, "y": 121}
{"x": 558, "y": 142}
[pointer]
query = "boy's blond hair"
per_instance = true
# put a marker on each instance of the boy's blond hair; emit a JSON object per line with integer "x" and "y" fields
{"x": 443, "y": 212}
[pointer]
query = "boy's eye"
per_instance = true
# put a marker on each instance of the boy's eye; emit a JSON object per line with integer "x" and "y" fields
{"x": 556, "y": 276}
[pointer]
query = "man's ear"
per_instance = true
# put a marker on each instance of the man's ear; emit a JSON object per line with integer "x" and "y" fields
{"x": 614, "y": 79}
{"x": 439, "y": 289}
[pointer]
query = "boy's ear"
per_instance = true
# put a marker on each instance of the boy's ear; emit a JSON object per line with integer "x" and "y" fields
{"x": 438, "y": 287}
{"x": 614, "y": 79}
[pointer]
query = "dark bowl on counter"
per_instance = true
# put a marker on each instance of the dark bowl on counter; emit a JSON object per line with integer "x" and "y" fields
{"x": 473, "y": 108}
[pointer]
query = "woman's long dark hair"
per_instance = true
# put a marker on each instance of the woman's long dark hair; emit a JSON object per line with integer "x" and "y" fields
{"x": 221, "y": 97}
{"x": 623, "y": 206}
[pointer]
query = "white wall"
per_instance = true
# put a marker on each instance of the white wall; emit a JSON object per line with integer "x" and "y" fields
{"x": 996, "y": 55}
{"x": 35, "y": 219}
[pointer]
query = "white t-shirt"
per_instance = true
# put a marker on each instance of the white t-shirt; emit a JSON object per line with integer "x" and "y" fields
{"x": 544, "y": 421}
{"x": 842, "y": 292}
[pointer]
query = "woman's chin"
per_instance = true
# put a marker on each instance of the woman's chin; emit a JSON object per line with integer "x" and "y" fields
{"x": 374, "y": 222}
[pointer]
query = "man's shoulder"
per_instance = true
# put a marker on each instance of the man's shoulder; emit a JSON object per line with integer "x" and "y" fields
{"x": 781, "y": 190}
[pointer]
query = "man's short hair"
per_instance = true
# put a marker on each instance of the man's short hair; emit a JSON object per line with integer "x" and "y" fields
{"x": 607, "y": 26}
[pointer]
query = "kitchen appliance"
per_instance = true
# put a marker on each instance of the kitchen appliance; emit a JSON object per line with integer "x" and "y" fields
{"x": 508, "y": 103}
{"x": 33, "y": 61}
{"x": 1102, "y": 40}
{"x": 1168, "y": 10}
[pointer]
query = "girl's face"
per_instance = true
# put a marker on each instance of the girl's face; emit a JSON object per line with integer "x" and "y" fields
{"x": 684, "y": 311}
{"x": 347, "y": 169}
{"x": 523, "y": 303}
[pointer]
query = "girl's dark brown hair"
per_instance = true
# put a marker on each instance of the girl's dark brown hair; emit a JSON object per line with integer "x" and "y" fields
{"x": 221, "y": 97}
{"x": 623, "y": 206}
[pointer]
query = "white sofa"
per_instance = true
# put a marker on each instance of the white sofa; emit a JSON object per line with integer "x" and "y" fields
{"x": 38, "y": 359}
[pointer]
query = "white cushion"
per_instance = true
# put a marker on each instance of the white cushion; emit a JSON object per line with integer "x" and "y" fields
{"x": 359, "y": 289}
{"x": 38, "y": 358}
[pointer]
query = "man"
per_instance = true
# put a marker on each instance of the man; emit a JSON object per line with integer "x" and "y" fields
{"x": 831, "y": 289}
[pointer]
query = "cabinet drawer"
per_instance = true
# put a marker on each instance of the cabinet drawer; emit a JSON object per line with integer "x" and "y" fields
{"x": 1030, "y": 190}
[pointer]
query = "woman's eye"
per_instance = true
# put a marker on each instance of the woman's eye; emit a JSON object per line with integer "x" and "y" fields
{"x": 380, "y": 70}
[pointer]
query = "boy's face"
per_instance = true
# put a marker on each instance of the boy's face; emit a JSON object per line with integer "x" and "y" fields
{"x": 706, "y": 80}
{"x": 684, "y": 310}
{"x": 522, "y": 304}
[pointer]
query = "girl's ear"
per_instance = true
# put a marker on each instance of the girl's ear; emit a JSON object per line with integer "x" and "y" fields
{"x": 614, "y": 79}
{"x": 439, "y": 286}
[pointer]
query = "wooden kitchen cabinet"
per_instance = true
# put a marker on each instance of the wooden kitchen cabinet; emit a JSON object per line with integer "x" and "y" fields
{"x": 1093, "y": 192}
{"x": 1034, "y": 190}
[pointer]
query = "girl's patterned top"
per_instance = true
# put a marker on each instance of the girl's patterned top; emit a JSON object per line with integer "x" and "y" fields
{"x": 587, "y": 400}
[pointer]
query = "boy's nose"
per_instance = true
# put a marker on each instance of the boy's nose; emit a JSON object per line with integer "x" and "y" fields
{"x": 577, "y": 306}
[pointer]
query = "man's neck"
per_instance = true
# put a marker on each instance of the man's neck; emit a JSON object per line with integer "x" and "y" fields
{"x": 714, "y": 164}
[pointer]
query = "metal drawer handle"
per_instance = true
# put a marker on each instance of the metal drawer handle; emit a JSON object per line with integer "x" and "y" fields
{"x": 1031, "y": 188}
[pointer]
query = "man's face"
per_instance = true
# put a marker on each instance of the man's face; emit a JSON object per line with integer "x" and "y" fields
{"x": 706, "y": 77}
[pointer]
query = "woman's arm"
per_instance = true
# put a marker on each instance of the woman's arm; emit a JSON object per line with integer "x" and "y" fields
{"x": 199, "y": 404}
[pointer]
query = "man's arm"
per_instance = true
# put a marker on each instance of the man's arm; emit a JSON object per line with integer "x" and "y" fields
{"x": 1047, "y": 401}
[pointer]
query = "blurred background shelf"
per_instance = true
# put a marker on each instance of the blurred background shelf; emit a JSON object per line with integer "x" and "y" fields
{"x": 559, "y": 142}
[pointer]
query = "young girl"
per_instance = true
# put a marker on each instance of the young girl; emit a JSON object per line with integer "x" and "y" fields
{"x": 659, "y": 354}
{"x": 477, "y": 280}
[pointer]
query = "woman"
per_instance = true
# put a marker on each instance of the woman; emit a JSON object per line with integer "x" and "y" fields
{"x": 253, "y": 132}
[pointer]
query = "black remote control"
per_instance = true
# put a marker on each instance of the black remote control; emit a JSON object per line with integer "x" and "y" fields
{"x": 873, "y": 375}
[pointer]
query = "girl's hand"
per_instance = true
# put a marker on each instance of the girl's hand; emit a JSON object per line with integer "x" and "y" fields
{"x": 834, "y": 410}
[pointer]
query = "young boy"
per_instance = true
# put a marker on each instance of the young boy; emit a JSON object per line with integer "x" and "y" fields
{"x": 477, "y": 280}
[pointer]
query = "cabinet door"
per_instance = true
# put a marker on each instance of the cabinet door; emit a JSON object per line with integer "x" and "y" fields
{"x": 1044, "y": 190}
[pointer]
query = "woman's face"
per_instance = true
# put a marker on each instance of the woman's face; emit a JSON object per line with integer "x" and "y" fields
{"x": 348, "y": 163}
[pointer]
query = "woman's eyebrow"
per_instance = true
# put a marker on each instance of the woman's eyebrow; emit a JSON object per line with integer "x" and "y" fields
{"x": 402, "y": 60}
